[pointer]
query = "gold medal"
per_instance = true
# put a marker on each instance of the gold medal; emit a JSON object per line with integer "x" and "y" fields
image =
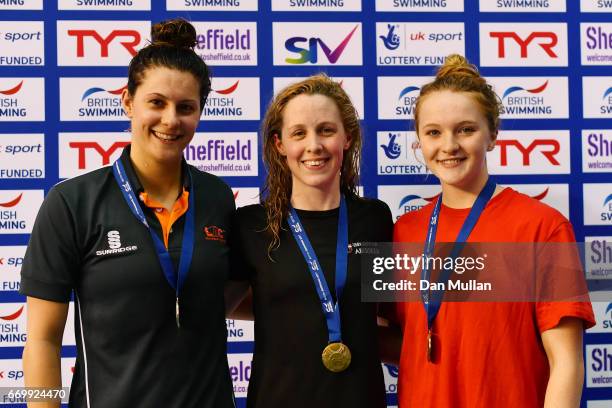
{"x": 429, "y": 346}
{"x": 336, "y": 357}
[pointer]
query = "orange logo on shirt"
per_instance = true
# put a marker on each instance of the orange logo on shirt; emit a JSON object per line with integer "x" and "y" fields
{"x": 214, "y": 233}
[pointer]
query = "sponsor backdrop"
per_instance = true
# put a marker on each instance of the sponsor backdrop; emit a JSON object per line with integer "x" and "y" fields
{"x": 63, "y": 68}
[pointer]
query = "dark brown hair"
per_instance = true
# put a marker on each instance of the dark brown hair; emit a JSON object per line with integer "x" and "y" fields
{"x": 278, "y": 185}
{"x": 171, "y": 46}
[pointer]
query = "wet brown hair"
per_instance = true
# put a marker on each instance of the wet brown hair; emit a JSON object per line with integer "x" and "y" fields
{"x": 458, "y": 75}
{"x": 277, "y": 189}
{"x": 171, "y": 46}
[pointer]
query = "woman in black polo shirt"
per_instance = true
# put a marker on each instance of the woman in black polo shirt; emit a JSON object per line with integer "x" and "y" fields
{"x": 142, "y": 245}
{"x": 315, "y": 341}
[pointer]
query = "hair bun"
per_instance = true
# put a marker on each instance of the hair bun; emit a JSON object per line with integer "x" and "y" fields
{"x": 457, "y": 65}
{"x": 177, "y": 33}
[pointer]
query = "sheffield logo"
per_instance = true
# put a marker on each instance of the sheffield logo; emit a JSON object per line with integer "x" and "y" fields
{"x": 310, "y": 54}
{"x": 599, "y": 365}
{"x": 226, "y": 43}
{"x": 596, "y": 151}
{"x": 596, "y": 43}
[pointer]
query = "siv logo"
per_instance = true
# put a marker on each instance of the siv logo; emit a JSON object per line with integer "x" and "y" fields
{"x": 391, "y": 40}
{"x": 532, "y": 97}
{"x": 310, "y": 54}
{"x": 517, "y": 44}
{"x": 392, "y": 149}
{"x": 110, "y": 43}
{"x": 341, "y": 45}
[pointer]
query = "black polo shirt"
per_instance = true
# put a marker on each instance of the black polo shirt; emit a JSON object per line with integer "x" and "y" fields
{"x": 130, "y": 351}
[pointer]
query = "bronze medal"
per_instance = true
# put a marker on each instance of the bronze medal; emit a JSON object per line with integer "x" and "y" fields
{"x": 429, "y": 347}
{"x": 336, "y": 357}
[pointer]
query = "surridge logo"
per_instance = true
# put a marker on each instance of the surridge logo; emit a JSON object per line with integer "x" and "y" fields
{"x": 392, "y": 149}
{"x": 113, "y": 238}
{"x": 310, "y": 55}
{"x": 391, "y": 40}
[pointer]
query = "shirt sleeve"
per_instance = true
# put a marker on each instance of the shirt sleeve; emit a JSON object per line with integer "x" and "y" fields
{"x": 52, "y": 257}
{"x": 564, "y": 281}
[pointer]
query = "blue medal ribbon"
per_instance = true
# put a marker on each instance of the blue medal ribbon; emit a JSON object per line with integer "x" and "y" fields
{"x": 432, "y": 299}
{"x": 175, "y": 280}
{"x": 330, "y": 310}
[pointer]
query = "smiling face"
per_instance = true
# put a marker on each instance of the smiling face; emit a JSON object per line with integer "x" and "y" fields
{"x": 455, "y": 137}
{"x": 313, "y": 141}
{"x": 164, "y": 113}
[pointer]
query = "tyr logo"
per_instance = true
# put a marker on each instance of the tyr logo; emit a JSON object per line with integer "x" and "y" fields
{"x": 547, "y": 41}
{"x": 133, "y": 39}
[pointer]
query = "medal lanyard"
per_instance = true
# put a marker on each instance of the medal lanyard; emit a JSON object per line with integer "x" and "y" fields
{"x": 331, "y": 311}
{"x": 432, "y": 299}
{"x": 175, "y": 280}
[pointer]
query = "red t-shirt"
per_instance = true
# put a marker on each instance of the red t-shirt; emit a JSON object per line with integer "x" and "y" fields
{"x": 489, "y": 354}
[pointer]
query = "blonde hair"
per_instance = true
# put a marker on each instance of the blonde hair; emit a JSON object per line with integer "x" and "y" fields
{"x": 277, "y": 189}
{"x": 458, "y": 75}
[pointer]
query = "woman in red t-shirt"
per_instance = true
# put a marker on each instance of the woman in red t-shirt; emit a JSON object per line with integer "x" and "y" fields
{"x": 475, "y": 354}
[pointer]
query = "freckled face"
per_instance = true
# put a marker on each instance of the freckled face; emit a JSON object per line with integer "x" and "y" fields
{"x": 455, "y": 138}
{"x": 164, "y": 113}
{"x": 313, "y": 140}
